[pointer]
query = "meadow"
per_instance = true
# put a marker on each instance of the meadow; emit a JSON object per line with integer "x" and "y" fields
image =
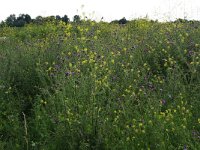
{"x": 91, "y": 85}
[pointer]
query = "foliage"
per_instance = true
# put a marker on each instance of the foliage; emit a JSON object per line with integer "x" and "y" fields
{"x": 77, "y": 18}
{"x": 123, "y": 21}
{"x": 23, "y": 19}
{"x": 89, "y": 85}
{"x": 20, "y": 21}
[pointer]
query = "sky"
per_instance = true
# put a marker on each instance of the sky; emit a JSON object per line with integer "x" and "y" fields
{"x": 161, "y": 10}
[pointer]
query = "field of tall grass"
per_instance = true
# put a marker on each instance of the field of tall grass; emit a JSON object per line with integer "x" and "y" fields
{"x": 100, "y": 86}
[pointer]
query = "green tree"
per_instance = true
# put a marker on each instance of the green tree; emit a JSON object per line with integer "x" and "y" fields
{"x": 65, "y": 19}
{"x": 38, "y": 20}
{"x": 77, "y": 18}
{"x": 10, "y": 21}
{"x": 27, "y": 18}
{"x": 58, "y": 17}
{"x": 19, "y": 21}
{"x": 2, "y": 24}
{"x": 123, "y": 21}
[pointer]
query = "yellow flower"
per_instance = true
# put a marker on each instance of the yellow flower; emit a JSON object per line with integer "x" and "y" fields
{"x": 128, "y": 139}
{"x": 140, "y": 124}
{"x": 150, "y": 122}
{"x": 50, "y": 68}
{"x": 183, "y": 108}
{"x": 85, "y": 49}
{"x": 84, "y": 61}
{"x": 145, "y": 64}
{"x": 70, "y": 65}
{"x": 91, "y": 61}
{"x": 133, "y": 126}
{"x": 136, "y": 130}
{"x": 124, "y": 49}
{"x": 185, "y": 51}
{"x": 143, "y": 131}
{"x": 183, "y": 126}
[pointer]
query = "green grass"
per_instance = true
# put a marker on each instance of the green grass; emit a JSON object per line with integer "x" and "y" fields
{"x": 100, "y": 86}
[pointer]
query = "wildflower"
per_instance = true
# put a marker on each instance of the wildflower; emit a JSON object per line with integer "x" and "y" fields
{"x": 140, "y": 124}
{"x": 185, "y": 51}
{"x": 133, "y": 126}
{"x": 183, "y": 126}
{"x": 145, "y": 64}
{"x": 43, "y": 102}
{"x": 85, "y": 49}
{"x": 163, "y": 102}
{"x": 33, "y": 144}
{"x": 69, "y": 73}
{"x": 150, "y": 122}
{"x": 84, "y": 61}
{"x": 183, "y": 108}
{"x": 49, "y": 69}
{"x": 143, "y": 131}
{"x": 128, "y": 139}
{"x": 124, "y": 49}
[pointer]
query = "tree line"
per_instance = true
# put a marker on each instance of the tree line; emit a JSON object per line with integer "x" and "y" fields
{"x": 23, "y": 19}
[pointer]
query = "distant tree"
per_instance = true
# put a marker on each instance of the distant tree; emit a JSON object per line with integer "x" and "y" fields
{"x": 50, "y": 18}
{"x": 115, "y": 21}
{"x": 27, "y": 18}
{"x": 58, "y": 17}
{"x": 2, "y": 24}
{"x": 123, "y": 21}
{"x": 20, "y": 21}
{"x": 65, "y": 19}
{"x": 77, "y": 18}
{"x": 179, "y": 20}
{"x": 10, "y": 21}
{"x": 23, "y": 19}
{"x": 38, "y": 20}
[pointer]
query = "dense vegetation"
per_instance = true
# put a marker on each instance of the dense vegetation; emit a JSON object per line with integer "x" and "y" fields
{"x": 24, "y": 19}
{"x": 91, "y": 85}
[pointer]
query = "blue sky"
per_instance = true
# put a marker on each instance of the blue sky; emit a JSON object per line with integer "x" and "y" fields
{"x": 109, "y": 9}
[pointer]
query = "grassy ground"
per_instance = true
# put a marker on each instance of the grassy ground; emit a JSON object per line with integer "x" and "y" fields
{"x": 100, "y": 86}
